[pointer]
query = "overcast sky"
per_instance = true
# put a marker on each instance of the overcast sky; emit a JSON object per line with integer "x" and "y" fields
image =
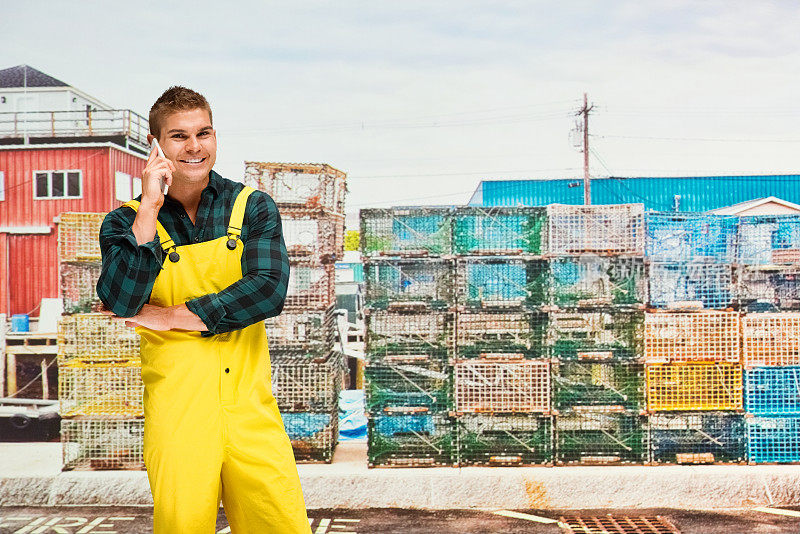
{"x": 420, "y": 100}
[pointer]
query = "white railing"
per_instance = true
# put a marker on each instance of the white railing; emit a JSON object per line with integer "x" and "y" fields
{"x": 97, "y": 123}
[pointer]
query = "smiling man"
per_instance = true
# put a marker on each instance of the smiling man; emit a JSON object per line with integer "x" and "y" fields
{"x": 196, "y": 272}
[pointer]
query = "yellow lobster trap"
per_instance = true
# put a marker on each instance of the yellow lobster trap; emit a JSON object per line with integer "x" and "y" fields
{"x": 694, "y": 386}
{"x": 95, "y": 337}
{"x": 100, "y": 389}
{"x": 77, "y": 236}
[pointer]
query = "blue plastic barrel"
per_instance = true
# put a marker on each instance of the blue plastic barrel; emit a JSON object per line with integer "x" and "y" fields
{"x": 20, "y": 322}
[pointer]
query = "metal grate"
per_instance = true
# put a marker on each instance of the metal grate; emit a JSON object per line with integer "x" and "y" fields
{"x": 299, "y": 185}
{"x": 613, "y": 524}
{"x": 769, "y": 240}
{"x": 302, "y": 332}
{"x": 95, "y": 337}
{"x": 511, "y": 440}
{"x": 302, "y": 384}
{"x": 501, "y": 282}
{"x": 599, "y": 385}
{"x": 590, "y": 437}
{"x": 414, "y": 387}
{"x": 694, "y": 386}
{"x": 509, "y": 334}
{"x": 420, "y": 231}
{"x": 771, "y": 339}
{"x": 499, "y": 230}
{"x": 773, "y": 390}
{"x": 706, "y": 285}
{"x": 706, "y": 336}
{"x": 679, "y": 237}
{"x": 416, "y": 283}
{"x": 714, "y": 437}
{"x": 592, "y": 281}
{"x": 405, "y": 337}
{"x": 412, "y": 440}
{"x": 611, "y": 229}
{"x": 773, "y": 439}
{"x": 595, "y": 335}
{"x": 78, "y": 283}
{"x": 316, "y": 236}
{"x": 502, "y": 386}
{"x": 102, "y": 443}
{"x": 100, "y": 389}
{"x": 311, "y": 286}
{"x": 769, "y": 287}
{"x": 78, "y": 236}
{"x": 313, "y": 435}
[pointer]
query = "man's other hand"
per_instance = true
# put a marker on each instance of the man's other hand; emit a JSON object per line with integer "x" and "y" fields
{"x": 150, "y": 316}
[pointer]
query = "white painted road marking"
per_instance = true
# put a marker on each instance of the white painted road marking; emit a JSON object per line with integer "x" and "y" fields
{"x": 527, "y": 517}
{"x": 777, "y": 511}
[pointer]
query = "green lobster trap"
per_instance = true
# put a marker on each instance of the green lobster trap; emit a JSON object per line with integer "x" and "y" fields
{"x": 410, "y": 440}
{"x": 409, "y": 283}
{"x": 417, "y": 231}
{"x": 504, "y": 440}
{"x": 499, "y": 230}
{"x": 601, "y": 386}
{"x": 500, "y": 334}
{"x": 303, "y": 384}
{"x": 590, "y": 437}
{"x": 594, "y": 281}
{"x": 412, "y": 387}
{"x": 597, "y": 335}
{"x": 404, "y": 337}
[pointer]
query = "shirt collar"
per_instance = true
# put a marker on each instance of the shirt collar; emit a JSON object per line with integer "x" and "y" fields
{"x": 214, "y": 185}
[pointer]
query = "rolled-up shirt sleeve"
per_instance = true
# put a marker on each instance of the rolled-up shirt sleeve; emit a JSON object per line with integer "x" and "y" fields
{"x": 129, "y": 269}
{"x": 261, "y": 292}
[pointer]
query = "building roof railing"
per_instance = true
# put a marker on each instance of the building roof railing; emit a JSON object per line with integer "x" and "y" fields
{"x": 119, "y": 125}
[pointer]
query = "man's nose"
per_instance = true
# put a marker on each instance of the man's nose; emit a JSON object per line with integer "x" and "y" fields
{"x": 193, "y": 144}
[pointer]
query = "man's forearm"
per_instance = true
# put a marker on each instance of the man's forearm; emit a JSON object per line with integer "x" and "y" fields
{"x": 181, "y": 318}
{"x": 144, "y": 225}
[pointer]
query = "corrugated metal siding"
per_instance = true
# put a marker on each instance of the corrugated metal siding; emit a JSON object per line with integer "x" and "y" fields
{"x": 33, "y": 271}
{"x": 701, "y": 193}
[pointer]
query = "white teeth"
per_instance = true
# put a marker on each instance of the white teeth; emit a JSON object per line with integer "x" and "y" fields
{"x": 193, "y": 160}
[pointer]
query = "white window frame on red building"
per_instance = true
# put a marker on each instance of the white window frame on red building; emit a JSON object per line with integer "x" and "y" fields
{"x": 50, "y": 184}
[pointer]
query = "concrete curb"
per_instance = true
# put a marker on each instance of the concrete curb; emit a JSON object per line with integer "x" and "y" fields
{"x": 347, "y": 483}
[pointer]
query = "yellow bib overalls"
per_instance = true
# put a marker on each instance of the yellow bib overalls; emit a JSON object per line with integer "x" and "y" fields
{"x": 212, "y": 427}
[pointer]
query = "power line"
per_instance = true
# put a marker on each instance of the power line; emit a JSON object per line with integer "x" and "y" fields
{"x": 714, "y": 139}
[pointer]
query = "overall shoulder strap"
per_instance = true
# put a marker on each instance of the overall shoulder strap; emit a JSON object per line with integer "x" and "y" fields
{"x": 163, "y": 236}
{"x": 237, "y": 215}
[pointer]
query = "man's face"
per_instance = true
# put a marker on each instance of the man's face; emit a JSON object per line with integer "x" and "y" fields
{"x": 188, "y": 139}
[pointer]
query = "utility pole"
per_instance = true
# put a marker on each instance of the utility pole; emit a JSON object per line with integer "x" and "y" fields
{"x": 587, "y": 181}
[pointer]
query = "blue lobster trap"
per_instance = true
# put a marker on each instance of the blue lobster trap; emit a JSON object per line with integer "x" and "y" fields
{"x": 313, "y": 435}
{"x": 708, "y": 283}
{"x": 398, "y": 283}
{"x": 773, "y": 390}
{"x": 773, "y": 439}
{"x": 769, "y": 240}
{"x": 499, "y": 282}
{"x": 677, "y": 237}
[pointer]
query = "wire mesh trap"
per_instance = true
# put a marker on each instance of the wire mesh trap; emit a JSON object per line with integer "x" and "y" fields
{"x": 599, "y": 386}
{"x": 694, "y": 386}
{"x": 95, "y": 389}
{"x": 499, "y": 282}
{"x": 593, "y": 281}
{"x": 683, "y": 237}
{"x": 502, "y": 386}
{"x": 78, "y": 236}
{"x": 299, "y": 185}
{"x": 771, "y": 339}
{"x": 705, "y": 336}
{"x": 410, "y": 440}
{"x": 303, "y": 332}
{"x": 313, "y": 435}
{"x": 600, "y": 438}
{"x": 709, "y": 437}
{"x": 774, "y": 287}
{"x": 302, "y": 384}
{"x": 95, "y": 337}
{"x": 311, "y": 286}
{"x": 610, "y": 229}
{"x": 78, "y": 283}
{"x": 419, "y": 231}
{"x": 674, "y": 284}
{"x": 315, "y": 236}
{"x": 504, "y": 440}
{"x": 408, "y": 337}
{"x": 595, "y": 335}
{"x": 500, "y": 334}
{"x": 496, "y": 230}
{"x": 409, "y": 283}
{"x": 773, "y": 390}
{"x": 102, "y": 443}
{"x": 769, "y": 239}
{"x": 773, "y": 439}
{"x": 410, "y": 387}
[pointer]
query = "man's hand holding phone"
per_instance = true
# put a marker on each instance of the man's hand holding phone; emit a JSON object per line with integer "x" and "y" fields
{"x": 156, "y": 177}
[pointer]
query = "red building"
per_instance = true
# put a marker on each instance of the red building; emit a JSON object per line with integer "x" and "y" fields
{"x": 60, "y": 150}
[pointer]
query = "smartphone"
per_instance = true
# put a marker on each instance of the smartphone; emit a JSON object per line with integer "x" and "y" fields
{"x": 154, "y": 144}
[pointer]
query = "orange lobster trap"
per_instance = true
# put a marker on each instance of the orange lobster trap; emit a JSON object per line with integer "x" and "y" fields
{"x": 771, "y": 339}
{"x": 685, "y": 337}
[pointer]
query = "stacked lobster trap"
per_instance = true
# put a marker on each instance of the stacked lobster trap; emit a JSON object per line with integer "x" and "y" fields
{"x": 99, "y": 371}
{"x": 408, "y": 269}
{"x": 596, "y": 298}
{"x": 307, "y": 373}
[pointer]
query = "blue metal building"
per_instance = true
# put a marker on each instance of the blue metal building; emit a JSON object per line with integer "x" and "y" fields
{"x": 691, "y": 193}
